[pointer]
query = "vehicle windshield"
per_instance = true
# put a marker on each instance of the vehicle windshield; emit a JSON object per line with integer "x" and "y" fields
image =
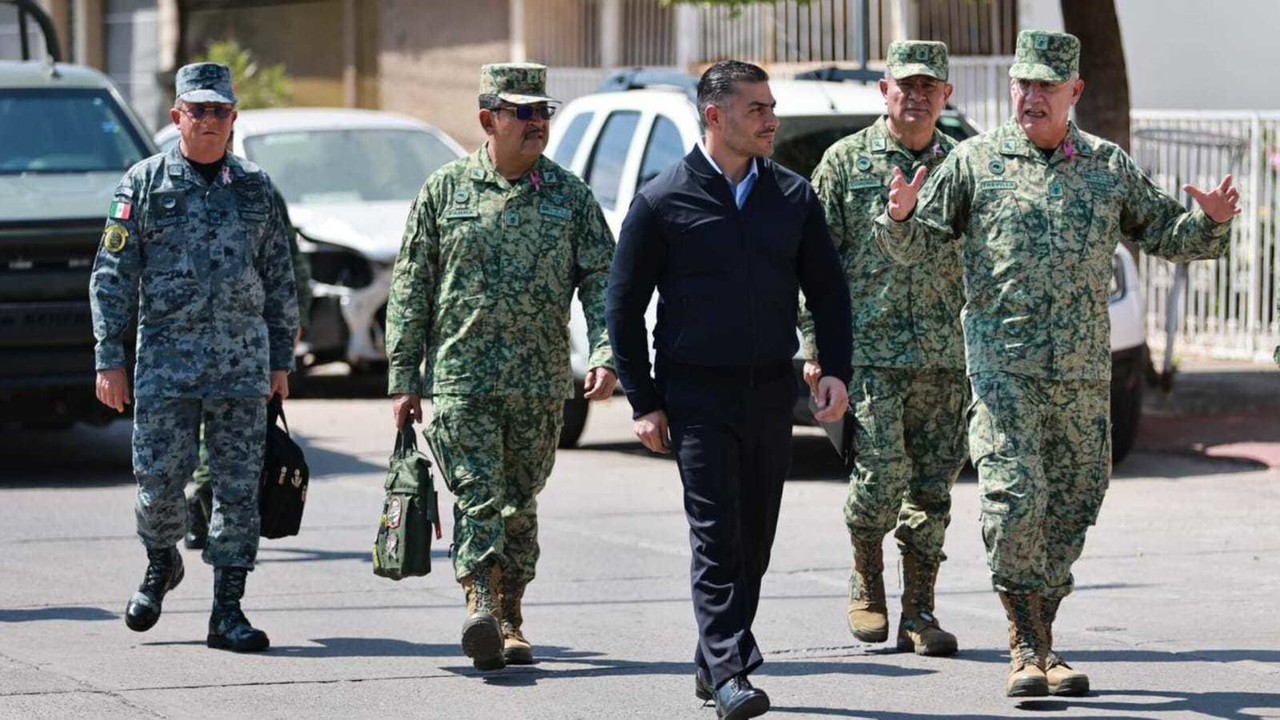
{"x": 357, "y": 165}
{"x": 65, "y": 130}
{"x": 801, "y": 141}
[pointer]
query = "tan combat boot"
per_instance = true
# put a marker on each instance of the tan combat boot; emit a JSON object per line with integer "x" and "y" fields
{"x": 1063, "y": 680}
{"x": 516, "y": 650}
{"x": 1026, "y": 678}
{"x": 482, "y": 633}
{"x": 868, "y": 615}
{"x": 918, "y": 629}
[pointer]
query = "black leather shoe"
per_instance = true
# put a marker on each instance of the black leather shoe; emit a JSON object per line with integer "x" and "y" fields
{"x": 737, "y": 700}
{"x": 229, "y": 629}
{"x": 702, "y": 687}
{"x": 164, "y": 572}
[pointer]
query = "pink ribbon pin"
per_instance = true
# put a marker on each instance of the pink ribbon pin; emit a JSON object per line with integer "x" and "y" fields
{"x": 1069, "y": 149}
{"x": 535, "y": 179}
{"x": 226, "y": 175}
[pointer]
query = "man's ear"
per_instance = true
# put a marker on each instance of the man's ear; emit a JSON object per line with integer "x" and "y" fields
{"x": 486, "y": 121}
{"x": 711, "y": 117}
{"x": 175, "y": 115}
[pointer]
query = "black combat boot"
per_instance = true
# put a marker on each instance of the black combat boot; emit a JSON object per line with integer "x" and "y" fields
{"x": 164, "y": 572}
{"x": 229, "y": 629}
{"x": 198, "y": 510}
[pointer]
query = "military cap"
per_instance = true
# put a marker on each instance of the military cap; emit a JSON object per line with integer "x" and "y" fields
{"x": 518, "y": 83}
{"x": 917, "y": 57}
{"x": 1049, "y": 56}
{"x": 205, "y": 83}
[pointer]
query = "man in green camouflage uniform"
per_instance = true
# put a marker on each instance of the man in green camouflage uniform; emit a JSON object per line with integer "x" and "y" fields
{"x": 495, "y": 246}
{"x": 1041, "y": 205}
{"x": 908, "y": 390}
{"x": 194, "y": 246}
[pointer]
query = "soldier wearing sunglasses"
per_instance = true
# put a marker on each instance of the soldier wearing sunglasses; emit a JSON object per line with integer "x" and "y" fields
{"x": 494, "y": 248}
{"x": 195, "y": 247}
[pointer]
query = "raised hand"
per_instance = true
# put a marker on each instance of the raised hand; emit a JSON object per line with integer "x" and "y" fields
{"x": 1220, "y": 204}
{"x": 903, "y": 194}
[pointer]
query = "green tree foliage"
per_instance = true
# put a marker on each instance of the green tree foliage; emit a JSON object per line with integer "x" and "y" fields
{"x": 256, "y": 86}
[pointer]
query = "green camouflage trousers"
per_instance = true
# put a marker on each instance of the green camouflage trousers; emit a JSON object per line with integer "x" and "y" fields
{"x": 166, "y": 438}
{"x": 911, "y": 448}
{"x": 1043, "y": 453}
{"x": 495, "y": 454}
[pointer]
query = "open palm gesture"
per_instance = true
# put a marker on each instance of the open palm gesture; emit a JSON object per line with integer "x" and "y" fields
{"x": 1220, "y": 204}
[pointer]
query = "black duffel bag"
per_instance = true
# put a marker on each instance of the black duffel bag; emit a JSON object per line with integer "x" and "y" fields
{"x": 282, "y": 491}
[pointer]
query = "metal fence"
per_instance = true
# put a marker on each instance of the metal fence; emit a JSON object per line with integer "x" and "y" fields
{"x": 1228, "y": 308}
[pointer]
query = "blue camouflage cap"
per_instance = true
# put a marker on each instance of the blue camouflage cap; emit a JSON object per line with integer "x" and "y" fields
{"x": 205, "y": 83}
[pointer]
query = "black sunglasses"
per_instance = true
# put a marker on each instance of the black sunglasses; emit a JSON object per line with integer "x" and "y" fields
{"x": 525, "y": 113}
{"x": 198, "y": 112}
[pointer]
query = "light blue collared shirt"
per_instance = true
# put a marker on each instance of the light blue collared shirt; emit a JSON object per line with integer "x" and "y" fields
{"x": 742, "y": 189}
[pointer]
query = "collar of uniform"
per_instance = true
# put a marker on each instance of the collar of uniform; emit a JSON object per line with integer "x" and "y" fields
{"x": 882, "y": 141}
{"x": 177, "y": 167}
{"x": 1014, "y": 141}
{"x": 480, "y": 169}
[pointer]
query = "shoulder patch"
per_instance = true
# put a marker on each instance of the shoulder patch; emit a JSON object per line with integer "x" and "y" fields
{"x": 115, "y": 238}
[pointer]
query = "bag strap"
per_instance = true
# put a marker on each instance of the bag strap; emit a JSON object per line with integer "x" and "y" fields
{"x": 406, "y": 442}
{"x": 275, "y": 412}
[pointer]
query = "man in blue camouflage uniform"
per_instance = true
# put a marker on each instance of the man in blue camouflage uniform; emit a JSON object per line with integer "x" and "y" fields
{"x": 494, "y": 248}
{"x": 193, "y": 244}
{"x": 1039, "y": 205}
{"x": 908, "y": 391}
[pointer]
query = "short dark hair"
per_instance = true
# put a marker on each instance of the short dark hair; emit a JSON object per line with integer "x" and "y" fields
{"x": 490, "y": 102}
{"x": 717, "y": 83}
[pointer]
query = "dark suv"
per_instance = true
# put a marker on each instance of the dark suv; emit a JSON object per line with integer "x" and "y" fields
{"x": 66, "y": 138}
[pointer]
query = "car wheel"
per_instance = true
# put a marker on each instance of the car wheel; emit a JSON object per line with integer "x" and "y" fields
{"x": 575, "y": 418}
{"x": 1126, "y": 407}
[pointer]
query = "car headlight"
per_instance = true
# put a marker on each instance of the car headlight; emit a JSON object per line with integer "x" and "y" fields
{"x": 1117, "y": 288}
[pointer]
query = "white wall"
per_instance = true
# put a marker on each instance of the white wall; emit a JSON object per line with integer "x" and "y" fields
{"x": 1191, "y": 54}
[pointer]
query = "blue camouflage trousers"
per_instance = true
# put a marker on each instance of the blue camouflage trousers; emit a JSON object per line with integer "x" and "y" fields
{"x": 1043, "y": 452}
{"x": 911, "y": 447}
{"x": 166, "y": 442}
{"x": 495, "y": 455}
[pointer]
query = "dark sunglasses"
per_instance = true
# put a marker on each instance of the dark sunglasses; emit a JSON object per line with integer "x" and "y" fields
{"x": 198, "y": 112}
{"x": 525, "y": 113}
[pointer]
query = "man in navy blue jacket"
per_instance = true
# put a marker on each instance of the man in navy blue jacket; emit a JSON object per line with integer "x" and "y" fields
{"x": 727, "y": 238}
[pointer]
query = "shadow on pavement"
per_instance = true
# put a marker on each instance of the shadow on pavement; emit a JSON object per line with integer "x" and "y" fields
{"x": 75, "y": 614}
{"x": 1232, "y": 705}
{"x": 1082, "y": 657}
{"x": 83, "y": 456}
{"x": 598, "y": 666}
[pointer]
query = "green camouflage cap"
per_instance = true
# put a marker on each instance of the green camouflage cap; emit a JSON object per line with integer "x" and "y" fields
{"x": 917, "y": 57}
{"x": 1048, "y": 56}
{"x": 519, "y": 83}
{"x": 205, "y": 83}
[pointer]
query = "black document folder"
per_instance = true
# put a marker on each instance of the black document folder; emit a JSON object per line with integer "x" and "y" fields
{"x": 841, "y": 434}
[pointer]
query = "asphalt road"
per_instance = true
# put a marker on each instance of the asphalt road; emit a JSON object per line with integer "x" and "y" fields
{"x": 1175, "y": 613}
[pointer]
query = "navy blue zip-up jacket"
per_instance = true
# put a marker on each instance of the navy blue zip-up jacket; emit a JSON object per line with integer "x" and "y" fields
{"x": 728, "y": 279}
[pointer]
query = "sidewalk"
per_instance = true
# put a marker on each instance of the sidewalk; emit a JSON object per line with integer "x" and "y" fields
{"x": 1218, "y": 409}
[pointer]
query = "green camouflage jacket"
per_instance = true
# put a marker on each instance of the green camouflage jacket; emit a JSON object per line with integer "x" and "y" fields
{"x": 484, "y": 280}
{"x": 905, "y": 317}
{"x": 206, "y": 267}
{"x": 1038, "y": 242}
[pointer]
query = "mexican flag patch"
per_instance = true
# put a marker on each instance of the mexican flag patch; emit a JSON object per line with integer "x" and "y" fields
{"x": 120, "y": 210}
